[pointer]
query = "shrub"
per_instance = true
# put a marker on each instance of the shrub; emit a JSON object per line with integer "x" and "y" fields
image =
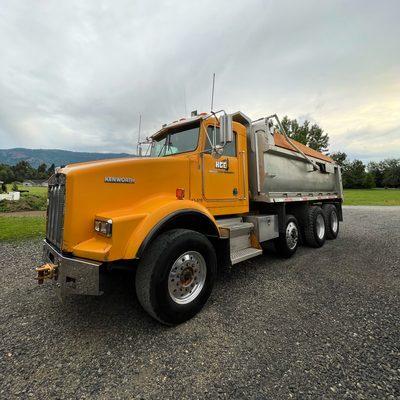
{"x": 28, "y": 202}
{"x": 369, "y": 181}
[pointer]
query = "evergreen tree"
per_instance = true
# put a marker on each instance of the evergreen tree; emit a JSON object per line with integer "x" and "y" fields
{"x": 51, "y": 170}
{"x": 391, "y": 176}
{"x": 369, "y": 181}
{"x": 23, "y": 171}
{"x": 353, "y": 175}
{"x": 6, "y": 173}
{"x": 377, "y": 170}
{"x": 42, "y": 171}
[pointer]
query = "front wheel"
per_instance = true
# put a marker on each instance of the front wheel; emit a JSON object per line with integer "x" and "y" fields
{"x": 176, "y": 275}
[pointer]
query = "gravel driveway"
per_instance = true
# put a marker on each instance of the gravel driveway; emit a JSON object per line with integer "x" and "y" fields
{"x": 324, "y": 324}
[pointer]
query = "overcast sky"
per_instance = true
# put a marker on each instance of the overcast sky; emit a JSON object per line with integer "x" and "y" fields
{"x": 76, "y": 74}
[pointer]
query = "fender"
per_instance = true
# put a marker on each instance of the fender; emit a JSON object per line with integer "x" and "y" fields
{"x": 134, "y": 228}
{"x": 161, "y": 216}
{"x": 168, "y": 222}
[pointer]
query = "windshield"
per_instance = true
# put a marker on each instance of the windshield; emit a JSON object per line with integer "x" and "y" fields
{"x": 181, "y": 140}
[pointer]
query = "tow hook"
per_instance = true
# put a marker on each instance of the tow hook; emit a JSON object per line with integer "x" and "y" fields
{"x": 46, "y": 271}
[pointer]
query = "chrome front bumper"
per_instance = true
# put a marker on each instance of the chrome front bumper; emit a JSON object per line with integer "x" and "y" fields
{"x": 71, "y": 275}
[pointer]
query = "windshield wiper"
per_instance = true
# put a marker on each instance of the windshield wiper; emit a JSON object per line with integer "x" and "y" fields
{"x": 167, "y": 145}
{"x": 162, "y": 148}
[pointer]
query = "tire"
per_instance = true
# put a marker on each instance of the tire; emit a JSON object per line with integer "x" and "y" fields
{"x": 179, "y": 256}
{"x": 315, "y": 227}
{"x": 332, "y": 221}
{"x": 288, "y": 241}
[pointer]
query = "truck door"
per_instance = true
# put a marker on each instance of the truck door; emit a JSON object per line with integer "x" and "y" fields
{"x": 220, "y": 177}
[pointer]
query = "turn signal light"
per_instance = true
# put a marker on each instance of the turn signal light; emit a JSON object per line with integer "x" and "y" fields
{"x": 180, "y": 193}
{"x": 103, "y": 227}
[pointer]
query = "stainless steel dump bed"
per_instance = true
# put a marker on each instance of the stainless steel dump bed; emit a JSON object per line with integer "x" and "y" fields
{"x": 280, "y": 172}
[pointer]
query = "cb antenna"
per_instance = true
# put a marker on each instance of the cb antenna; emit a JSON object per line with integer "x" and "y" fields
{"x": 212, "y": 92}
{"x": 184, "y": 99}
{"x": 139, "y": 148}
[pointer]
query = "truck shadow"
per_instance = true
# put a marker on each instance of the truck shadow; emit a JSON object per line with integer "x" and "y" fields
{"x": 119, "y": 308}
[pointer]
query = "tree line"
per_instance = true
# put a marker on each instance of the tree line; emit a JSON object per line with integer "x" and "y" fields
{"x": 357, "y": 175}
{"x": 23, "y": 170}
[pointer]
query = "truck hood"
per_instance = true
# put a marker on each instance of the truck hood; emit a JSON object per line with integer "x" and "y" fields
{"x": 101, "y": 187}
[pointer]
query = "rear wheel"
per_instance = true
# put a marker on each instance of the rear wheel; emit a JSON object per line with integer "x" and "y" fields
{"x": 314, "y": 227}
{"x": 332, "y": 221}
{"x": 288, "y": 241}
{"x": 175, "y": 277}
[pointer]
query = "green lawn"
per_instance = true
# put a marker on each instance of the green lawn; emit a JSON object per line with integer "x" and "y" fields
{"x": 16, "y": 228}
{"x": 372, "y": 197}
{"x": 36, "y": 190}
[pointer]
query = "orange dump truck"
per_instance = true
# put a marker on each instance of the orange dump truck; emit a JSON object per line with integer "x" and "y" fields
{"x": 214, "y": 189}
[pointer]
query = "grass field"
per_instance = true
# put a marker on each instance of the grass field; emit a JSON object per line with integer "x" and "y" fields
{"x": 16, "y": 228}
{"x": 372, "y": 197}
{"x": 36, "y": 190}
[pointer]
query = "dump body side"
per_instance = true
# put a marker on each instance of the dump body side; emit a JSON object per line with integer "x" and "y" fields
{"x": 278, "y": 172}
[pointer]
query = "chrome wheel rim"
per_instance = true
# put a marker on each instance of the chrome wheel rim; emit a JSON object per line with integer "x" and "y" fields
{"x": 187, "y": 277}
{"x": 292, "y": 235}
{"x": 320, "y": 226}
{"x": 334, "y": 222}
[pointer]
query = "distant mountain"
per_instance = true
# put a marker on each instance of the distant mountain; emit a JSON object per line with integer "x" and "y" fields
{"x": 35, "y": 157}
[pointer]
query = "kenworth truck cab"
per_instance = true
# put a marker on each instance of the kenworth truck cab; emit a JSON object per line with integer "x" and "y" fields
{"x": 214, "y": 189}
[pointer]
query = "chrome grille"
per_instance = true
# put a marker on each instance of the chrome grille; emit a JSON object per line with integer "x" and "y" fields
{"x": 55, "y": 210}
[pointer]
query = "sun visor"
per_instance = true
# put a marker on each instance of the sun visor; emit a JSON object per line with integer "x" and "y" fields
{"x": 176, "y": 124}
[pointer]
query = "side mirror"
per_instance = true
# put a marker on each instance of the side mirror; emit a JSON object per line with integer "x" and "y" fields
{"x": 225, "y": 126}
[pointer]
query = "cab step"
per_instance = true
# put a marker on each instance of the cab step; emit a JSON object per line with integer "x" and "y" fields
{"x": 240, "y": 229}
{"x": 244, "y": 254}
{"x": 239, "y": 234}
{"x": 226, "y": 222}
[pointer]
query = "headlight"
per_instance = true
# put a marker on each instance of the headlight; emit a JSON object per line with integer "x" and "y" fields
{"x": 103, "y": 227}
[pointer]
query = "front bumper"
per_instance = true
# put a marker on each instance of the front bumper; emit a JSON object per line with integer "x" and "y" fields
{"x": 70, "y": 275}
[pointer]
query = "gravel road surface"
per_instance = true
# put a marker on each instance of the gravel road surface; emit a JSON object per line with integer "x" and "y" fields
{"x": 324, "y": 324}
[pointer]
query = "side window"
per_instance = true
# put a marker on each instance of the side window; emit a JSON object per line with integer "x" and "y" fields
{"x": 230, "y": 148}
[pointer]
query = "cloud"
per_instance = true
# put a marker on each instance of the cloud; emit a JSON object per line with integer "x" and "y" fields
{"x": 76, "y": 75}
